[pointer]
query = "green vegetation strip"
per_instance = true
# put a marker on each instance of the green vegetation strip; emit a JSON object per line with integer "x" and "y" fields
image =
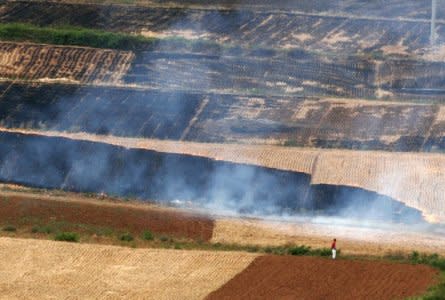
{"x": 80, "y": 36}
{"x": 68, "y": 35}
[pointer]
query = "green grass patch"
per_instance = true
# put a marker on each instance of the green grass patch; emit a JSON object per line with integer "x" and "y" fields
{"x": 81, "y": 36}
{"x": 323, "y": 252}
{"x": 436, "y": 292}
{"x": 69, "y": 35}
{"x": 67, "y": 237}
{"x": 63, "y": 226}
{"x": 9, "y": 228}
{"x": 164, "y": 238}
{"x": 42, "y": 229}
{"x": 148, "y": 235}
{"x": 126, "y": 237}
{"x": 299, "y": 250}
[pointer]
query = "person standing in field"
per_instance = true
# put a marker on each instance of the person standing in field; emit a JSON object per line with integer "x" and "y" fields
{"x": 334, "y": 248}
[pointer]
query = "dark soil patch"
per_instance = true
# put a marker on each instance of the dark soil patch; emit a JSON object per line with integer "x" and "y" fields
{"x": 285, "y": 277}
{"x": 120, "y": 217}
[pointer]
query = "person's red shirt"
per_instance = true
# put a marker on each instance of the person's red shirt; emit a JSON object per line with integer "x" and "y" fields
{"x": 333, "y": 246}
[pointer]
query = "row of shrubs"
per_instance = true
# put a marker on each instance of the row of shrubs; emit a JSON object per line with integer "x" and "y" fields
{"x": 63, "y": 236}
{"x": 149, "y": 236}
{"x": 298, "y": 250}
{"x": 429, "y": 259}
{"x": 416, "y": 257}
{"x": 74, "y": 237}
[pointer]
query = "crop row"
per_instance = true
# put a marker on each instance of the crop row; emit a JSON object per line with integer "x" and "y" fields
{"x": 43, "y": 62}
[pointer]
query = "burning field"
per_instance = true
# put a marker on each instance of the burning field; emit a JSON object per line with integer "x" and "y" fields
{"x": 224, "y": 125}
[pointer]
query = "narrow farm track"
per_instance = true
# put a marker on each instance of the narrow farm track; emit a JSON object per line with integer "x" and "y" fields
{"x": 284, "y": 277}
{"x": 352, "y": 239}
{"x": 415, "y": 179}
{"x": 96, "y": 271}
{"x": 48, "y": 63}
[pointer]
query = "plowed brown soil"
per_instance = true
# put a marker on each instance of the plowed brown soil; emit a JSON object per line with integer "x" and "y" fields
{"x": 122, "y": 216}
{"x": 284, "y": 277}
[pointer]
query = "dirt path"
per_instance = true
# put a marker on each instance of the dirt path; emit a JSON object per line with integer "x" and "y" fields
{"x": 286, "y": 277}
{"x": 351, "y": 239}
{"x": 133, "y": 217}
{"x": 56, "y": 270}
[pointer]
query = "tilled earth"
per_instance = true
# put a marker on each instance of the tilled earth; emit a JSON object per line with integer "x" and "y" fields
{"x": 284, "y": 277}
{"x": 132, "y": 217}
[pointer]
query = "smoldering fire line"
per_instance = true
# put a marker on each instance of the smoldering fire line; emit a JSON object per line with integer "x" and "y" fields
{"x": 61, "y": 163}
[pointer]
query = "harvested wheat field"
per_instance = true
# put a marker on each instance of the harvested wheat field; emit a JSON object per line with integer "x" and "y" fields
{"x": 52, "y": 63}
{"x": 284, "y": 277}
{"x": 48, "y": 270}
{"x": 133, "y": 217}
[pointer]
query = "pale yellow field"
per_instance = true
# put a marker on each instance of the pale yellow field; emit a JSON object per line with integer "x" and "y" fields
{"x": 48, "y": 63}
{"x": 351, "y": 240}
{"x": 416, "y": 179}
{"x": 38, "y": 269}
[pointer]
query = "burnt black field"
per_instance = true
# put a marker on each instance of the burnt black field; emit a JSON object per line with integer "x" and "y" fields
{"x": 209, "y": 117}
{"x": 280, "y": 72}
{"x": 260, "y": 54}
{"x": 59, "y": 163}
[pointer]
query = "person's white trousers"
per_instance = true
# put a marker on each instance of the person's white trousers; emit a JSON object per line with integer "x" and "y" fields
{"x": 334, "y": 253}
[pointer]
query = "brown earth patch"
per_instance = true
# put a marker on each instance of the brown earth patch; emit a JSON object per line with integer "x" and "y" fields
{"x": 284, "y": 277}
{"x": 119, "y": 216}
